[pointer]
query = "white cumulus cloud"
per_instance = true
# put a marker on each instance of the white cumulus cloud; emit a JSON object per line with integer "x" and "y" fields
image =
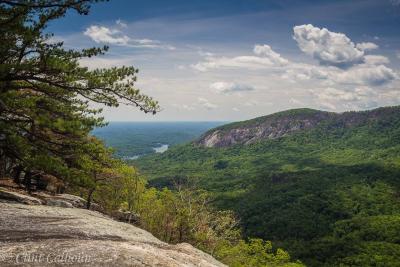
{"x": 101, "y": 34}
{"x": 265, "y": 58}
{"x": 329, "y": 48}
{"x": 336, "y": 94}
{"x": 266, "y": 51}
{"x": 367, "y": 75}
{"x": 376, "y": 60}
{"x": 332, "y": 98}
{"x": 230, "y": 87}
{"x": 367, "y": 46}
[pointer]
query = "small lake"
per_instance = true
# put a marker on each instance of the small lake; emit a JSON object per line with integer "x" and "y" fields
{"x": 161, "y": 149}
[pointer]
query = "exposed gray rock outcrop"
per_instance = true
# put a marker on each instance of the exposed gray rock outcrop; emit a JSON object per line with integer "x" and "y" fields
{"x": 10, "y": 196}
{"x": 267, "y": 127}
{"x": 126, "y": 216}
{"x": 61, "y": 199}
{"x": 289, "y": 122}
{"x": 37, "y": 235}
{"x": 75, "y": 201}
{"x": 58, "y": 203}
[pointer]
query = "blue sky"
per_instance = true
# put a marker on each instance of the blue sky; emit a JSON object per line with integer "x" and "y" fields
{"x": 234, "y": 60}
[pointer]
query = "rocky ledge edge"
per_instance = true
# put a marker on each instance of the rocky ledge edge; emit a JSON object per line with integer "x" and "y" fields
{"x": 35, "y": 234}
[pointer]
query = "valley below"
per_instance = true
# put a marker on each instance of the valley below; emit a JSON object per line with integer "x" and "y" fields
{"x": 324, "y": 186}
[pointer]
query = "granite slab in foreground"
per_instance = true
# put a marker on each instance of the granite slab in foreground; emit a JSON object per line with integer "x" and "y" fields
{"x": 39, "y": 235}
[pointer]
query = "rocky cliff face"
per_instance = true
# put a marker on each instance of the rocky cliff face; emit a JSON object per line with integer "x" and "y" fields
{"x": 288, "y": 122}
{"x": 268, "y": 127}
{"x": 39, "y": 235}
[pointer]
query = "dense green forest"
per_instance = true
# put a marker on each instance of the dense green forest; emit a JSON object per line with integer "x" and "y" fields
{"x": 329, "y": 195}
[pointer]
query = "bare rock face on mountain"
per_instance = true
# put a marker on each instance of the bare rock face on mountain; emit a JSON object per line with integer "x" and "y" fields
{"x": 289, "y": 122}
{"x": 267, "y": 127}
{"x": 38, "y": 235}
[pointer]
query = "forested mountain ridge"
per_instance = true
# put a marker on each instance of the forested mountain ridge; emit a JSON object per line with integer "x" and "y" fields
{"x": 329, "y": 194}
{"x": 283, "y": 123}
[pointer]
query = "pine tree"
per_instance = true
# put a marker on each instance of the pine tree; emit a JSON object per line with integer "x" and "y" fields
{"x": 45, "y": 95}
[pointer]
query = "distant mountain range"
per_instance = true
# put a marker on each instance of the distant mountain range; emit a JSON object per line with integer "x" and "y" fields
{"x": 325, "y": 186}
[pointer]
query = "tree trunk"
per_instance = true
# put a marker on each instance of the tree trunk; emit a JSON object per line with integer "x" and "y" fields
{"x": 28, "y": 181}
{"x": 89, "y": 198}
{"x": 17, "y": 174}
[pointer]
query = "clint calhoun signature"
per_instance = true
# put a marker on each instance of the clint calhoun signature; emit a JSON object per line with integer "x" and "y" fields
{"x": 63, "y": 258}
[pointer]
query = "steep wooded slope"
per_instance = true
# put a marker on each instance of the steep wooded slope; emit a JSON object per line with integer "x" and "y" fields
{"x": 325, "y": 192}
